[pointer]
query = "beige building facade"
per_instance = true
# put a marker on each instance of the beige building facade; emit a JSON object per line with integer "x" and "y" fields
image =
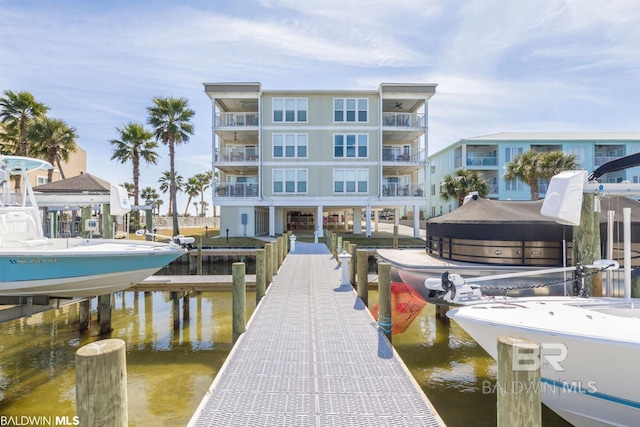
{"x": 304, "y": 160}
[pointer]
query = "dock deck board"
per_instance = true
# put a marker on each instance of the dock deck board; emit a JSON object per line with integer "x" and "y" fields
{"x": 312, "y": 355}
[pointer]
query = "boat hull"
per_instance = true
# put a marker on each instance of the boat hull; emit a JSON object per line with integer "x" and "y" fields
{"x": 415, "y": 266}
{"x": 588, "y": 376}
{"x": 82, "y": 267}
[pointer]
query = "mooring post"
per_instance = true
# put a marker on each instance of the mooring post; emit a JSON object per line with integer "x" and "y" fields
{"x": 274, "y": 257}
{"x": 268, "y": 264}
{"x": 239, "y": 300}
{"x": 175, "y": 298}
{"x": 384, "y": 299}
{"x": 261, "y": 285}
{"x": 199, "y": 261}
{"x": 395, "y": 237}
{"x": 354, "y": 262}
{"x": 186, "y": 314}
{"x": 345, "y": 261}
{"x": 104, "y": 313}
{"x": 101, "y": 384}
{"x": 518, "y": 383}
{"x": 362, "y": 263}
{"x": 84, "y": 315}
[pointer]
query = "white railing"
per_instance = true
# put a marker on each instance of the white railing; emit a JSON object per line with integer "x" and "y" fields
{"x": 236, "y": 119}
{"x": 411, "y": 120}
{"x": 237, "y": 153}
{"x": 237, "y": 189}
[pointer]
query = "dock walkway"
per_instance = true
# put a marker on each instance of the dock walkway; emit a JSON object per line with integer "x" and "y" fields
{"x": 312, "y": 356}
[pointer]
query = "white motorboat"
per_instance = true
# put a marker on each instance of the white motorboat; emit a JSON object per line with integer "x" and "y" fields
{"x": 588, "y": 347}
{"x": 32, "y": 264}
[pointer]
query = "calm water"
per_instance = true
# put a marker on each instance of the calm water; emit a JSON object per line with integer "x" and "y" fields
{"x": 169, "y": 371}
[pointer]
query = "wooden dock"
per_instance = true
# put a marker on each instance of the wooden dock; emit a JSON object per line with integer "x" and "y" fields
{"x": 312, "y": 355}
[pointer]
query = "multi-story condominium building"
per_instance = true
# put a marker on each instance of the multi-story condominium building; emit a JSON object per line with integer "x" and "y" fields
{"x": 489, "y": 155}
{"x": 313, "y": 159}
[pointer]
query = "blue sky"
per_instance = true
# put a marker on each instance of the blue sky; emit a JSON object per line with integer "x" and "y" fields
{"x": 500, "y": 65}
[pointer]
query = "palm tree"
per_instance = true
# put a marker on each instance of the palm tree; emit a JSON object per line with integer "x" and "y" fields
{"x": 204, "y": 182}
{"x": 135, "y": 144}
{"x": 17, "y": 110}
{"x": 165, "y": 185}
{"x": 531, "y": 166}
{"x": 192, "y": 188}
{"x": 53, "y": 140}
{"x": 150, "y": 196}
{"x": 463, "y": 182}
{"x": 171, "y": 122}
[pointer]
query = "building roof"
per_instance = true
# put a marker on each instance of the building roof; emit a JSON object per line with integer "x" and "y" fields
{"x": 557, "y": 136}
{"x": 77, "y": 184}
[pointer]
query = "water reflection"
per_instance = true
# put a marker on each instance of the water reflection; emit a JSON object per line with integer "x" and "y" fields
{"x": 170, "y": 370}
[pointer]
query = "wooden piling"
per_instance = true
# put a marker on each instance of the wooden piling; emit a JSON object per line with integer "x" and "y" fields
{"x": 185, "y": 307}
{"x": 199, "y": 257}
{"x": 353, "y": 248}
{"x": 101, "y": 384}
{"x": 395, "y": 237}
{"x": 104, "y": 313}
{"x": 84, "y": 315}
{"x": 175, "y": 298}
{"x": 268, "y": 264}
{"x": 274, "y": 258}
{"x": 362, "y": 287}
{"x": 518, "y": 383}
{"x": 384, "y": 299}
{"x": 260, "y": 275}
{"x": 239, "y": 300}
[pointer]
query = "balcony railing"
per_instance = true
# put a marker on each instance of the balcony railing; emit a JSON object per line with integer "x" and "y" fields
{"x": 482, "y": 161}
{"x": 237, "y": 154}
{"x": 237, "y": 189}
{"x": 402, "y": 190}
{"x": 236, "y": 119}
{"x": 410, "y": 120}
{"x": 397, "y": 156}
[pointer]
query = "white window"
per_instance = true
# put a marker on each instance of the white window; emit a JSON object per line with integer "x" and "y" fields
{"x": 515, "y": 185}
{"x": 510, "y": 153}
{"x": 290, "y": 145}
{"x": 350, "y": 109}
{"x": 350, "y": 180}
{"x": 289, "y": 180}
{"x": 350, "y": 145}
{"x": 290, "y": 109}
{"x": 41, "y": 180}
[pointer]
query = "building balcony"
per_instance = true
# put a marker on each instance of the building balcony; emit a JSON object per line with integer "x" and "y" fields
{"x": 237, "y": 154}
{"x": 403, "y": 120}
{"x": 237, "y": 190}
{"x": 244, "y": 119}
{"x": 396, "y": 155}
{"x": 402, "y": 190}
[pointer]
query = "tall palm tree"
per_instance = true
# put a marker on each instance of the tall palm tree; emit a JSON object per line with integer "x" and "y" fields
{"x": 531, "y": 166}
{"x": 17, "y": 110}
{"x": 165, "y": 185}
{"x": 204, "y": 182}
{"x": 192, "y": 188}
{"x": 53, "y": 140}
{"x": 171, "y": 121}
{"x": 135, "y": 144}
{"x": 463, "y": 182}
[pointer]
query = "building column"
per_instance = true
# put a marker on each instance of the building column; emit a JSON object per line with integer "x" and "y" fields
{"x": 319, "y": 221}
{"x": 272, "y": 221}
{"x": 357, "y": 220}
{"x": 416, "y": 221}
{"x": 368, "y": 220}
{"x": 346, "y": 220}
{"x": 375, "y": 220}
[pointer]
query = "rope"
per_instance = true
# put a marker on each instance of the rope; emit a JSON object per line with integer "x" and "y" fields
{"x": 506, "y": 289}
{"x": 384, "y": 323}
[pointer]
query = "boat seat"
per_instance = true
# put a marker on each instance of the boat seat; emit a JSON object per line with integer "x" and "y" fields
{"x": 19, "y": 230}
